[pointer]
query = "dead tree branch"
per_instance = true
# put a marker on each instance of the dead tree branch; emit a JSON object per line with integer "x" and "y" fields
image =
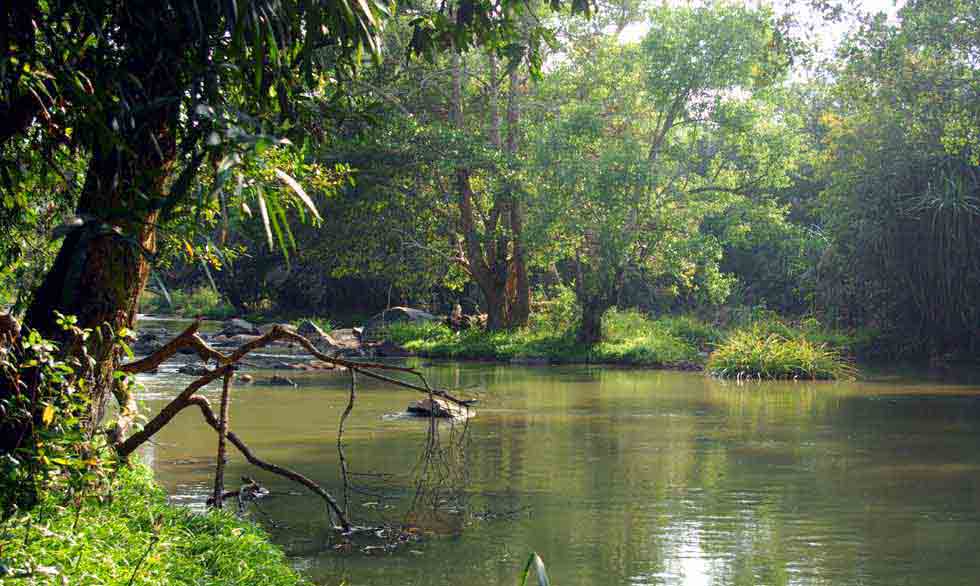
{"x": 219, "y": 467}
{"x": 344, "y": 471}
{"x": 212, "y": 420}
{"x": 225, "y": 366}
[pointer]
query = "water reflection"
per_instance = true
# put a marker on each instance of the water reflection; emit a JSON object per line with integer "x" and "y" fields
{"x": 627, "y": 477}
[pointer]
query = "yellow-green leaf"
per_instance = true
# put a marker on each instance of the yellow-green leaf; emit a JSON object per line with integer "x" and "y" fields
{"x": 300, "y": 192}
{"x": 47, "y": 416}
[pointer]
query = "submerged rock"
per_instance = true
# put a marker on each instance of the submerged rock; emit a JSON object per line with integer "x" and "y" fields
{"x": 193, "y": 369}
{"x": 235, "y": 327}
{"x": 281, "y": 381}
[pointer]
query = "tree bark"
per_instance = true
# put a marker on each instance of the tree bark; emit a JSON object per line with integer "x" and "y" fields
{"x": 590, "y": 330}
{"x": 103, "y": 263}
{"x": 494, "y": 256}
{"x": 520, "y": 293}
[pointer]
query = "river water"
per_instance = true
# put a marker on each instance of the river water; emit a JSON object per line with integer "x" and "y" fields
{"x": 614, "y": 476}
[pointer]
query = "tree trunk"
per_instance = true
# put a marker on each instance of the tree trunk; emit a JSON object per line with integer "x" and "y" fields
{"x": 103, "y": 263}
{"x": 590, "y": 330}
{"x": 520, "y": 293}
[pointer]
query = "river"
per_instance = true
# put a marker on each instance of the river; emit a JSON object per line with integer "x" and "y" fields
{"x": 615, "y": 477}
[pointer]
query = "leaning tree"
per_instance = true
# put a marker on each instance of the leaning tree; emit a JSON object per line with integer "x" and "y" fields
{"x": 153, "y": 97}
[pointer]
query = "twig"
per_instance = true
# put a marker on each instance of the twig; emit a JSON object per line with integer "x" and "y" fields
{"x": 344, "y": 471}
{"x": 212, "y": 420}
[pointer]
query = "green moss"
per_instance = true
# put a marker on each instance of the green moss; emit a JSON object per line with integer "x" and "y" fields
{"x": 136, "y": 536}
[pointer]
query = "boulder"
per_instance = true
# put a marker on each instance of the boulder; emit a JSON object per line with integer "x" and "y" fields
{"x": 236, "y": 326}
{"x": 309, "y": 329}
{"x": 322, "y": 340}
{"x": 266, "y": 328}
{"x": 346, "y": 337}
{"x": 375, "y": 327}
{"x": 438, "y": 408}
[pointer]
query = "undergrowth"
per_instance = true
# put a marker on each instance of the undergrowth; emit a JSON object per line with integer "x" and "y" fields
{"x": 202, "y": 301}
{"x": 133, "y": 536}
{"x": 629, "y": 338}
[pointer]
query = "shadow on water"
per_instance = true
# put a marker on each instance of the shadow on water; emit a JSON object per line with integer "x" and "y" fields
{"x": 622, "y": 477}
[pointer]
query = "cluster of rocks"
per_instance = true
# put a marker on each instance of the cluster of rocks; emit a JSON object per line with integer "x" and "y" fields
{"x": 364, "y": 342}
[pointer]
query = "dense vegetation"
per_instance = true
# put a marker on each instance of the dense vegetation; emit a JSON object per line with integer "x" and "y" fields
{"x": 629, "y": 172}
{"x": 135, "y": 537}
{"x": 712, "y": 184}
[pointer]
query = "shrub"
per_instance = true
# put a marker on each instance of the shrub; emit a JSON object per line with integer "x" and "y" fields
{"x": 630, "y": 338}
{"x": 758, "y": 353}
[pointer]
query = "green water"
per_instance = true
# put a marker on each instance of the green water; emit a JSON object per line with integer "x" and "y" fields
{"x": 621, "y": 477}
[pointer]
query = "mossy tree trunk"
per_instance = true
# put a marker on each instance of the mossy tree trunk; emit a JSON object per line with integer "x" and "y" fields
{"x": 104, "y": 260}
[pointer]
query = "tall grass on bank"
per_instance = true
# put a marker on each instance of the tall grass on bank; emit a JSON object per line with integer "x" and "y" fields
{"x": 629, "y": 338}
{"x": 761, "y": 354}
{"x": 134, "y": 537}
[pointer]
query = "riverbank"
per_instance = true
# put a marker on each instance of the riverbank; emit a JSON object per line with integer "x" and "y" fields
{"x": 767, "y": 347}
{"x": 780, "y": 349}
{"x": 133, "y": 536}
{"x": 630, "y": 339}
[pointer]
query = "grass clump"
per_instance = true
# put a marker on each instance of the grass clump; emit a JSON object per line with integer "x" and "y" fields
{"x": 135, "y": 537}
{"x": 758, "y": 352}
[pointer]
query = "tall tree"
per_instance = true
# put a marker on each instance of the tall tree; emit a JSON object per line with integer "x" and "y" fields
{"x": 636, "y": 158}
{"x": 155, "y": 97}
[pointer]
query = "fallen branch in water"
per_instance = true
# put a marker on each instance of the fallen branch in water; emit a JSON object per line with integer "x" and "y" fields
{"x": 225, "y": 366}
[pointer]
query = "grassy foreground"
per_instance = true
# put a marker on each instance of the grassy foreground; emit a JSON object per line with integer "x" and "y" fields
{"x": 135, "y": 537}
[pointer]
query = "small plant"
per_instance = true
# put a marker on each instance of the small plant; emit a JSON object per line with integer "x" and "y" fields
{"x": 535, "y": 563}
{"x": 58, "y": 453}
{"x": 137, "y": 537}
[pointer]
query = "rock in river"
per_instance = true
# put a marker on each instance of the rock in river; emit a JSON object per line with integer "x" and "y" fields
{"x": 374, "y": 328}
{"x": 281, "y": 381}
{"x": 439, "y": 408}
{"x": 235, "y": 327}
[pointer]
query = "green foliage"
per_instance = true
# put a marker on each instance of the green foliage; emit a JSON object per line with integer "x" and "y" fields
{"x": 693, "y": 331}
{"x": 559, "y": 313}
{"x": 58, "y": 452}
{"x": 765, "y": 351}
{"x": 651, "y": 140}
{"x": 629, "y": 338}
{"x": 136, "y": 537}
{"x": 203, "y": 301}
{"x": 901, "y": 204}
